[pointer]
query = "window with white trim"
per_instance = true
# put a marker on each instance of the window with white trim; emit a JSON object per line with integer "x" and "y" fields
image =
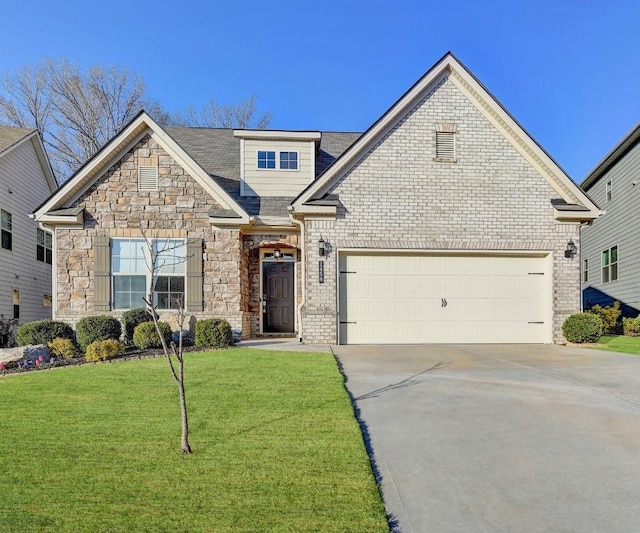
{"x": 608, "y": 191}
{"x": 147, "y": 178}
{"x": 585, "y": 270}
{"x": 266, "y": 159}
{"x": 6, "y": 230}
{"x": 289, "y": 160}
{"x": 610, "y": 264}
{"x": 44, "y": 246}
{"x": 130, "y": 270}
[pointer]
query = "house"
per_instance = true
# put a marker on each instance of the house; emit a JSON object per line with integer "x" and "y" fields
{"x": 443, "y": 222}
{"x": 611, "y": 245}
{"x": 26, "y": 179}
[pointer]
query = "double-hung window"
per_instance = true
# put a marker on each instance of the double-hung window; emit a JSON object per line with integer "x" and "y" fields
{"x": 609, "y": 191}
{"x": 6, "y": 230}
{"x": 131, "y": 265}
{"x": 44, "y": 246}
{"x": 585, "y": 270}
{"x": 610, "y": 264}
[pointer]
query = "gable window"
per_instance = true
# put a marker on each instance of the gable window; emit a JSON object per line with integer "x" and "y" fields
{"x": 289, "y": 160}
{"x": 446, "y": 146}
{"x": 6, "y": 230}
{"x": 147, "y": 178}
{"x": 266, "y": 159}
{"x": 585, "y": 270}
{"x": 130, "y": 269}
{"x": 608, "y": 191}
{"x": 44, "y": 246}
{"x": 610, "y": 265}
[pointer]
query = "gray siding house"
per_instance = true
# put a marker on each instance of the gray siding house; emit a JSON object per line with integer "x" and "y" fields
{"x": 443, "y": 222}
{"x": 26, "y": 180}
{"x": 611, "y": 245}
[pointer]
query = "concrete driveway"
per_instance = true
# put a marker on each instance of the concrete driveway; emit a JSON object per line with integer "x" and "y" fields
{"x": 501, "y": 438}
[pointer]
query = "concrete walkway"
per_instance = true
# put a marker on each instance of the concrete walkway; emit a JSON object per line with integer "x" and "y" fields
{"x": 286, "y": 344}
{"x": 501, "y": 438}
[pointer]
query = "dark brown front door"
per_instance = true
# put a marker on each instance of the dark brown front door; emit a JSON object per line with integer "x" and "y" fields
{"x": 277, "y": 298}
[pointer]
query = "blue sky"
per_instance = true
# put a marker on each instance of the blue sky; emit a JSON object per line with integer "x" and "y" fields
{"x": 569, "y": 71}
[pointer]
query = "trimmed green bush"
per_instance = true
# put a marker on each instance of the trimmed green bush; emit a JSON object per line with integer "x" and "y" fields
{"x": 103, "y": 350}
{"x": 97, "y": 328}
{"x": 631, "y": 326}
{"x": 131, "y": 319}
{"x": 583, "y": 327}
{"x": 62, "y": 348}
{"x": 213, "y": 332}
{"x": 145, "y": 335}
{"x": 610, "y": 316}
{"x": 42, "y": 332}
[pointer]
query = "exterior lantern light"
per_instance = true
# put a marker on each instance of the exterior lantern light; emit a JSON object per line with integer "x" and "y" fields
{"x": 322, "y": 250}
{"x": 277, "y": 253}
{"x": 571, "y": 250}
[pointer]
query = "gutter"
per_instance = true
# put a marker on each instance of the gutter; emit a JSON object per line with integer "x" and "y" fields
{"x": 299, "y": 307}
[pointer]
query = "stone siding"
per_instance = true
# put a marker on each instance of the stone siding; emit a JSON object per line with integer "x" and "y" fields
{"x": 179, "y": 209}
{"x": 398, "y": 196}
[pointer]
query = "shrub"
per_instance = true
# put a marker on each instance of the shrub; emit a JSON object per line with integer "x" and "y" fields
{"x": 145, "y": 335}
{"x": 583, "y": 327}
{"x": 213, "y": 332}
{"x": 610, "y": 316}
{"x": 62, "y": 348}
{"x": 42, "y": 332}
{"x": 103, "y": 350}
{"x": 631, "y": 326}
{"x": 97, "y": 328}
{"x": 131, "y": 319}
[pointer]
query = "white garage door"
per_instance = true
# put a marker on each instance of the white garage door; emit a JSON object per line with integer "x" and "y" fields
{"x": 413, "y": 298}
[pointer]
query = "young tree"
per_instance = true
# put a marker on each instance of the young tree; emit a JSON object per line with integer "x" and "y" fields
{"x": 160, "y": 254}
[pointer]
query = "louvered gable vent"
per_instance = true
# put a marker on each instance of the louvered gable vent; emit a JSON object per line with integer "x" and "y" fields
{"x": 147, "y": 178}
{"x": 445, "y": 145}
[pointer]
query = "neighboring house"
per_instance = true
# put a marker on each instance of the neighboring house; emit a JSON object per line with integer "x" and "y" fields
{"x": 611, "y": 245}
{"x": 26, "y": 179}
{"x": 443, "y": 222}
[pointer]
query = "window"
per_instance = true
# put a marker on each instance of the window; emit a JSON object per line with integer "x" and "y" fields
{"x": 610, "y": 265}
{"x": 44, "y": 246}
{"x": 445, "y": 146}
{"x": 47, "y": 300}
{"x": 147, "y": 178}
{"x": 130, "y": 268}
{"x": 585, "y": 270}
{"x": 16, "y": 303}
{"x": 266, "y": 159}
{"x": 608, "y": 191}
{"x": 289, "y": 160}
{"x": 6, "y": 230}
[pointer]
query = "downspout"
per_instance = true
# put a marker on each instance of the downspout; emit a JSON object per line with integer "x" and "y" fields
{"x": 303, "y": 300}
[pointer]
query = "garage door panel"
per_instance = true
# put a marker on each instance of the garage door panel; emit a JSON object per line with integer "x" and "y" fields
{"x": 417, "y": 298}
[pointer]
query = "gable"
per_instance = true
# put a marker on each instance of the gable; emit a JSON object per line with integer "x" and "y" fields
{"x": 580, "y": 207}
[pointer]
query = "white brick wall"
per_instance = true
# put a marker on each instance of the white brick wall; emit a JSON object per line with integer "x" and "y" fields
{"x": 398, "y": 196}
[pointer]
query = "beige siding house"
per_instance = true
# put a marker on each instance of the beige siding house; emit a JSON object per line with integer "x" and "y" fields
{"x": 26, "y": 180}
{"x": 444, "y": 222}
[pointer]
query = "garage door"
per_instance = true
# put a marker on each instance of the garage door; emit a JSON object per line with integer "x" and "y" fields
{"x": 413, "y": 298}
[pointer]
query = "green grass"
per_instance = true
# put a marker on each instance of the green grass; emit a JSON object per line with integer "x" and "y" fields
{"x": 96, "y": 448}
{"x": 619, "y": 343}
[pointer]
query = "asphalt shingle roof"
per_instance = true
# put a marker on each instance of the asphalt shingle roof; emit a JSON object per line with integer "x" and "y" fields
{"x": 10, "y": 135}
{"x": 217, "y": 151}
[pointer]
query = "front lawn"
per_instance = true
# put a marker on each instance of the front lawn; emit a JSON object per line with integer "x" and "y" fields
{"x": 96, "y": 448}
{"x": 619, "y": 343}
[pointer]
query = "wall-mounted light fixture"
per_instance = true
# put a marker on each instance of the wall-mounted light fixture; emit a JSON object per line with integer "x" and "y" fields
{"x": 277, "y": 253}
{"x": 322, "y": 250}
{"x": 571, "y": 250}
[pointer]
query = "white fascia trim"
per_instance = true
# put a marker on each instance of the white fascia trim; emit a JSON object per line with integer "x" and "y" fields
{"x": 274, "y": 134}
{"x": 327, "y": 210}
{"x": 574, "y": 216}
{"x": 231, "y": 221}
{"x": 519, "y": 139}
{"x": 56, "y": 220}
{"x": 377, "y": 131}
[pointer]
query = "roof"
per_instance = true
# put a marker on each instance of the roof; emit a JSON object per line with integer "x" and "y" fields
{"x": 10, "y": 135}
{"x": 617, "y": 152}
{"x": 217, "y": 151}
{"x": 449, "y": 67}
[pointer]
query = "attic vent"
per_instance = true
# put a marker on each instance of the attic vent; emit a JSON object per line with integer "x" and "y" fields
{"x": 147, "y": 178}
{"x": 445, "y": 146}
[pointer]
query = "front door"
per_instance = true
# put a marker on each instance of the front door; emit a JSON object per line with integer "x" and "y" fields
{"x": 277, "y": 297}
